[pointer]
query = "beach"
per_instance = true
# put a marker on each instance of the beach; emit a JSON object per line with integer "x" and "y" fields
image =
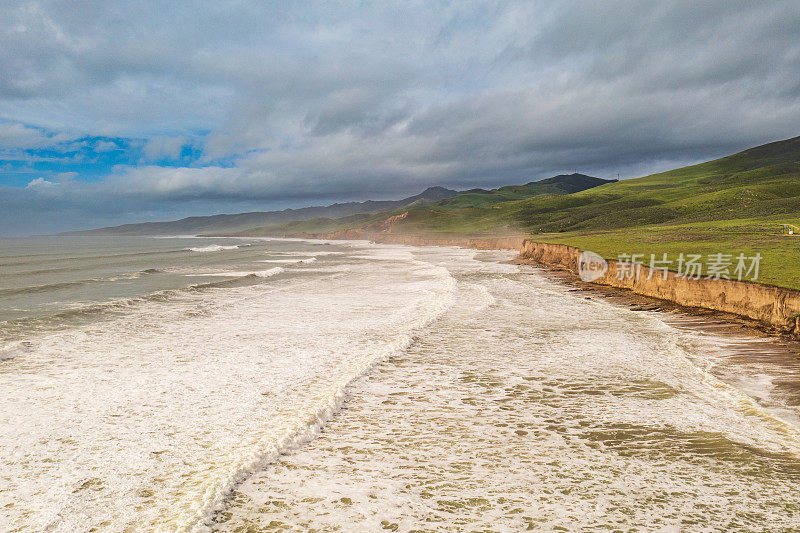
{"x": 533, "y": 406}
{"x": 411, "y": 267}
{"x": 227, "y": 384}
{"x": 143, "y": 378}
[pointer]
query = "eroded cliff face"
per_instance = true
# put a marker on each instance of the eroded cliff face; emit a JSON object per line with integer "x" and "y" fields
{"x": 775, "y": 306}
{"x": 391, "y": 221}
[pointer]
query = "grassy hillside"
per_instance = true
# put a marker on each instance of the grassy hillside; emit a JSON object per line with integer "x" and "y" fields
{"x": 759, "y": 182}
{"x": 731, "y": 205}
{"x": 780, "y": 263}
{"x": 557, "y": 185}
{"x": 473, "y": 211}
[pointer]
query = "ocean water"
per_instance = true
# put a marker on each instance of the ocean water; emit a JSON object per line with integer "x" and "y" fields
{"x": 192, "y": 384}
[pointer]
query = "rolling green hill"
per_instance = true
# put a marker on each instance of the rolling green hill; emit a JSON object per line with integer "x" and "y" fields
{"x": 731, "y": 205}
{"x": 736, "y": 204}
{"x": 760, "y": 182}
{"x": 472, "y": 211}
{"x": 557, "y": 185}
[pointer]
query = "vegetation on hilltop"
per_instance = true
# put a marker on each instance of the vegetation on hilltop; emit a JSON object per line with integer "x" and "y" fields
{"x": 557, "y": 185}
{"x": 779, "y": 253}
{"x": 736, "y": 204}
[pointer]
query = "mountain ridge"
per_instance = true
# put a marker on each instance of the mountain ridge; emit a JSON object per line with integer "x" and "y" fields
{"x": 241, "y": 221}
{"x": 468, "y": 206}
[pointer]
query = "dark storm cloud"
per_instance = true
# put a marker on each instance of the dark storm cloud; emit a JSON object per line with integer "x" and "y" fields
{"x": 306, "y": 102}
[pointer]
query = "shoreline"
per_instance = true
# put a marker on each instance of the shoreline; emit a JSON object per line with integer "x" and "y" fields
{"x": 516, "y": 407}
{"x": 770, "y": 308}
{"x": 258, "y": 490}
{"x": 743, "y": 331}
{"x": 763, "y": 308}
{"x": 695, "y": 318}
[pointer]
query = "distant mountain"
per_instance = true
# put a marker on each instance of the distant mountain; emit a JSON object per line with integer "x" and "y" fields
{"x": 475, "y": 210}
{"x": 431, "y": 194}
{"x": 561, "y": 184}
{"x": 242, "y": 221}
{"x": 570, "y": 183}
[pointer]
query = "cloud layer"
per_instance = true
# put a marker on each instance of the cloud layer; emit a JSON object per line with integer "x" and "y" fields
{"x": 198, "y": 108}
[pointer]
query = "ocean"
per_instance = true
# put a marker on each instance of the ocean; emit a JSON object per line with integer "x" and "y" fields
{"x": 194, "y": 384}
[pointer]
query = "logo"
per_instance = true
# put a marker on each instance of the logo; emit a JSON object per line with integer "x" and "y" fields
{"x": 591, "y": 266}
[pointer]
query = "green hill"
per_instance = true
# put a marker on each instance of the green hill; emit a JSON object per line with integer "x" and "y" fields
{"x": 561, "y": 184}
{"x": 731, "y": 205}
{"x": 472, "y": 211}
{"x": 762, "y": 182}
{"x": 759, "y": 182}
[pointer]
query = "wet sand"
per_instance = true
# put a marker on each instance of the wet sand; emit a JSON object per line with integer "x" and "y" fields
{"x": 750, "y": 346}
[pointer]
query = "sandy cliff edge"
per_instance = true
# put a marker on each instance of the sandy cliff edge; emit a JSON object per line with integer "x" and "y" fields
{"x": 777, "y": 307}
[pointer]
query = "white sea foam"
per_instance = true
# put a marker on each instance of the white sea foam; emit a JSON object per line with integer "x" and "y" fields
{"x": 14, "y": 349}
{"x": 318, "y": 253}
{"x": 288, "y": 261}
{"x": 329, "y": 269}
{"x": 259, "y": 273}
{"x": 161, "y": 411}
{"x": 311, "y": 254}
{"x": 505, "y": 403}
{"x": 214, "y": 248}
{"x": 529, "y": 407}
{"x": 128, "y": 275}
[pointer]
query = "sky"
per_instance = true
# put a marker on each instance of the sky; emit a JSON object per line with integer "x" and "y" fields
{"x": 114, "y": 112}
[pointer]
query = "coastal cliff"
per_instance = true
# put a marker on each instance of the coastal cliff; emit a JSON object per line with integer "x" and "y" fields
{"x": 775, "y": 306}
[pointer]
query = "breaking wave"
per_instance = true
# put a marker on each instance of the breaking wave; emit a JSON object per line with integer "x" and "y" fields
{"x": 216, "y": 248}
{"x": 46, "y": 287}
{"x": 259, "y": 274}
